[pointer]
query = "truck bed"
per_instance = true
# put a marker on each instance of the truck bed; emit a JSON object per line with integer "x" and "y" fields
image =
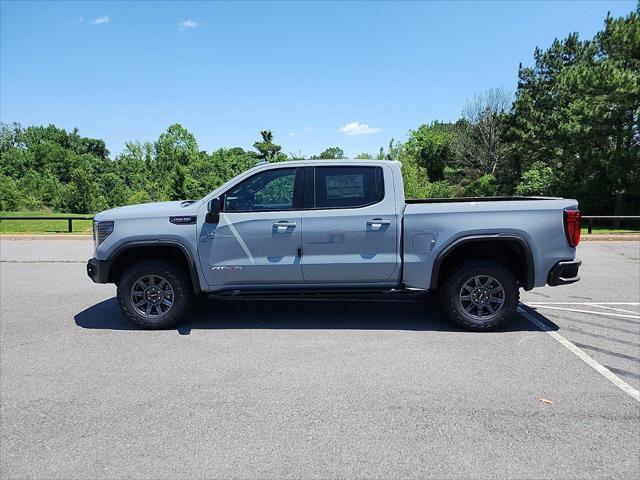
{"x": 431, "y": 225}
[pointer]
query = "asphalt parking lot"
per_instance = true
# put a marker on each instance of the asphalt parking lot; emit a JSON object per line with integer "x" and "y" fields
{"x": 370, "y": 388}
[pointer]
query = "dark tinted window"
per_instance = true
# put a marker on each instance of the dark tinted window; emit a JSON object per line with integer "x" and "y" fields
{"x": 347, "y": 187}
{"x": 270, "y": 190}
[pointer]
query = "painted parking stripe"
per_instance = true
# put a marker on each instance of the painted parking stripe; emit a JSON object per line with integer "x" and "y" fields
{"x": 614, "y": 309}
{"x": 606, "y": 314}
{"x": 588, "y": 303}
{"x": 602, "y": 370}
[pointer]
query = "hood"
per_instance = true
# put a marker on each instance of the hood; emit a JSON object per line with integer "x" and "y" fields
{"x": 147, "y": 210}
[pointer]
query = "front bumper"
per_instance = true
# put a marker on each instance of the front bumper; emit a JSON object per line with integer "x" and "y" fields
{"x": 564, "y": 273}
{"x": 98, "y": 270}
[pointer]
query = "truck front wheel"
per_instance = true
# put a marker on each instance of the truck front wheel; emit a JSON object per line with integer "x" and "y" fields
{"x": 479, "y": 295}
{"x": 154, "y": 294}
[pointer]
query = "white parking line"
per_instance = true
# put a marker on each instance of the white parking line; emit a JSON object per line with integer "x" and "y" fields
{"x": 614, "y": 309}
{"x": 604, "y": 371}
{"x": 587, "y": 303}
{"x": 607, "y": 314}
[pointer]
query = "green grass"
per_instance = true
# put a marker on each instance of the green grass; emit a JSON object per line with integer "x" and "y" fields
{"x": 43, "y": 226}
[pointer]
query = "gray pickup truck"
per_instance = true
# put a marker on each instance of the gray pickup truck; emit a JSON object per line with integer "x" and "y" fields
{"x": 334, "y": 226}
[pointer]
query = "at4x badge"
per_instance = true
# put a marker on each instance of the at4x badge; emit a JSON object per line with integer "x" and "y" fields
{"x": 226, "y": 268}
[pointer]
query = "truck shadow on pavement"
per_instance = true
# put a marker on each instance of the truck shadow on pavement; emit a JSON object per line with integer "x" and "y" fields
{"x": 420, "y": 313}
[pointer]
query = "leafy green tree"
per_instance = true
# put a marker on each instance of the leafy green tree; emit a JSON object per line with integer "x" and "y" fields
{"x": 485, "y": 186}
{"x": 577, "y": 111}
{"x": 268, "y": 150}
{"x": 134, "y": 164}
{"x": 414, "y": 177}
{"x": 17, "y": 162}
{"x": 175, "y": 146}
{"x": 9, "y": 194}
{"x": 393, "y": 151}
{"x": 538, "y": 180}
{"x": 139, "y": 196}
{"x": 330, "y": 153}
{"x": 83, "y": 191}
{"x": 10, "y": 137}
{"x": 181, "y": 183}
{"x": 430, "y": 147}
{"x": 113, "y": 189}
{"x": 212, "y": 170}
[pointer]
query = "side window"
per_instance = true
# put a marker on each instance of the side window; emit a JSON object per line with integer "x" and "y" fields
{"x": 270, "y": 190}
{"x": 348, "y": 187}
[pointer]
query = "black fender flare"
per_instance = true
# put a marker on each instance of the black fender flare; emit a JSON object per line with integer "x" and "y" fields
{"x": 522, "y": 242}
{"x": 163, "y": 242}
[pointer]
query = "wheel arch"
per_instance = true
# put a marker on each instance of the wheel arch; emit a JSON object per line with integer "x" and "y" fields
{"x": 126, "y": 254}
{"x": 494, "y": 246}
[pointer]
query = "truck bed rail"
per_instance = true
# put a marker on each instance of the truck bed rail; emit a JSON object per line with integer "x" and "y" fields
{"x": 476, "y": 199}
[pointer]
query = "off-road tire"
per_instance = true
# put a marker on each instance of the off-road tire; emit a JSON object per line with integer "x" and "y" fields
{"x": 459, "y": 275}
{"x": 183, "y": 295}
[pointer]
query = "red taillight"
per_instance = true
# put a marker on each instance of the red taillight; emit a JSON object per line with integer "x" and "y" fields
{"x": 572, "y": 226}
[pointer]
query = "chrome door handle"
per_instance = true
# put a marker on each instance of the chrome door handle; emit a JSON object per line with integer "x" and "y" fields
{"x": 282, "y": 227}
{"x": 378, "y": 222}
{"x": 284, "y": 224}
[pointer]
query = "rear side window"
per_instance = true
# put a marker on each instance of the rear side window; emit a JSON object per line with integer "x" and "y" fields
{"x": 348, "y": 187}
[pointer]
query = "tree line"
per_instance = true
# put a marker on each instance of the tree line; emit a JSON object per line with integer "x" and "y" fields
{"x": 570, "y": 129}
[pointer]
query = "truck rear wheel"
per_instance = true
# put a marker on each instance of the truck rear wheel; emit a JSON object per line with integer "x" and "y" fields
{"x": 479, "y": 295}
{"x": 155, "y": 294}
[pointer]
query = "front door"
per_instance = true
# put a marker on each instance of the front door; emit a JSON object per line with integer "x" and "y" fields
{"x": 258, "y": 238}
{"x": 351, "y": 232}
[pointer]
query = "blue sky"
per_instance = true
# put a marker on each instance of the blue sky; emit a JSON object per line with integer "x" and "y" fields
{"x": 318, "y": 74}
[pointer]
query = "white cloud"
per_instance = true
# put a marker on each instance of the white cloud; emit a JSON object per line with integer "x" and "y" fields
{"x": 100, "y": 20}
{"x": 292, "y": 134}
{"x": 357, "y": 128}
{"x": 187, "y": 24}
{"x": 308, "y": 129}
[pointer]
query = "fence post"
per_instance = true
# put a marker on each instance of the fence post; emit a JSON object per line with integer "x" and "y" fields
{"x": 617, "y": 209}
{"x": 70, "y": 224}
{"x": 590, "y": 225}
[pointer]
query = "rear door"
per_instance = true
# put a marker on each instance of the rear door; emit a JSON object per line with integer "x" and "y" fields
{"x": 258, "y": 237}
{"x": 350, "y": 225}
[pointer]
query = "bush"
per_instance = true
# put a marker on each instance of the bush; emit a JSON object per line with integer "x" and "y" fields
{"x": 139, "y": 196}
{"x": 9, "y": 194}
{"x": 30, "y": 202}
{"x": 485, "y": 186}
{"x": 538, "y": 180}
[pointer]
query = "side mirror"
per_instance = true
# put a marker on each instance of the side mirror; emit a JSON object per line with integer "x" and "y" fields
{"x": 215, "y": 207}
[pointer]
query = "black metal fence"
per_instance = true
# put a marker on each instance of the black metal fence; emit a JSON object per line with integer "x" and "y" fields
{"x": 68, "y": 219}
{"x": 613, "y": 221}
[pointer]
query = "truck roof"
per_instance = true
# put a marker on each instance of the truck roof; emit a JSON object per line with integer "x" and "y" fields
{"x": 320, "y": 161}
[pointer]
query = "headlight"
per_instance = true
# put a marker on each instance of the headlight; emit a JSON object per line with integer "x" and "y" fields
{"x": 101, "y": 230}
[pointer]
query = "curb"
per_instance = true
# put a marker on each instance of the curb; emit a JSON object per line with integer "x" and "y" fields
{"x": 611, "y": 237}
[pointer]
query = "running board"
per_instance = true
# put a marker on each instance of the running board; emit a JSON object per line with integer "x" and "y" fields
{"x": 333, "y": 292}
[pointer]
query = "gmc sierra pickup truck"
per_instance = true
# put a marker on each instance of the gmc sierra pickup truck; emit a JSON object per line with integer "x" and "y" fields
{"x": 315, "y": 226}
